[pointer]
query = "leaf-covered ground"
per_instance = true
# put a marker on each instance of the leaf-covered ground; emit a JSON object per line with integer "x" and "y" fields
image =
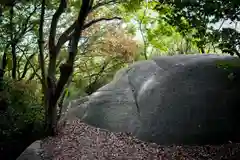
{"x": 79, "y": 141}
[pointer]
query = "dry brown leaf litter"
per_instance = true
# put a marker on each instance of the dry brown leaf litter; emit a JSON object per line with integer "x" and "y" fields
{"x": 79, "y": 141}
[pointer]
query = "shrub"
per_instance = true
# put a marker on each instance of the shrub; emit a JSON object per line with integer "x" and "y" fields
{"x": 22, "y": 119}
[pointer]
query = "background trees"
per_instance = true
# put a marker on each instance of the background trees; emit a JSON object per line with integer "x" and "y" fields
{"x": 214, "y": 23}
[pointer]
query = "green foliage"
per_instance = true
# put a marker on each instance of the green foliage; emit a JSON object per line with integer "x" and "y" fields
{"x": 24, "y": 112}
{"x": 159, "y": 36}
{"x": 197, "y": 17}
{"x": 230, "y": 41}
{"x": 131, "y": 5}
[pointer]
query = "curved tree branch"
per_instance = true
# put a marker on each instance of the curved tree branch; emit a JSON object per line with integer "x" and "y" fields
{"x": 51, "y": 43}
{"x": 53, "y": 28}
{"x": 143, "y": 37}
{"x": 26, "y": 67}
{"x": 29, "y": 62}
{"x": 69, "y": 32}
{"x": 41, "y": 46}
{"x": 99, "y": 20}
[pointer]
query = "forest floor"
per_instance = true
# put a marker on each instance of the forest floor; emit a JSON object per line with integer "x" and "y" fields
{"x": 80, "y": 141}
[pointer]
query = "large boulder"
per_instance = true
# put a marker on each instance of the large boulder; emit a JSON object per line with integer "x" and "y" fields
{"x": 186, "y": 99}
{"x": 73, "y": 103}
{"x": 33, "y": 152}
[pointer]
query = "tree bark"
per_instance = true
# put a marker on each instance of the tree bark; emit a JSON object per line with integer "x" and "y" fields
{"x": 14, "y": 61}
{"x": 3, "y": 102}
{"x": 42, "y": 63}
{"x": 202, "y": 50}
{"x": 13, "y": 44}
{"x": 55, "y": 89}
{"x": 4, "y": 61}
{"x": 50, "y": 92}
{"x": 26, "y": 66}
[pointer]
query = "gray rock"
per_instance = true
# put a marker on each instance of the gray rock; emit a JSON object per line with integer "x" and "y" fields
{"x": 186, "y": 99}
{"x": 33, "y": 152}
{"x": 73, "y": 103}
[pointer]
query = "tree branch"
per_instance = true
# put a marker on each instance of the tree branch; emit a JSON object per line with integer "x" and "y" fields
{"x": 41, "y": 46}
{"x": 65, "y": 37}
{"x": 69, "y": 32}
{"x": 99, "y": 20}
{"x": 143, "y": 37}
{"x": 25, "y": 70}
{"x": 36, "y": 70}
{"x": 51, "y": 43}
{"x": 28, "y": 60}
{"x": 53, "y": 28}
{"x": 66, "y": 69}
{"x": 25, "y": 25}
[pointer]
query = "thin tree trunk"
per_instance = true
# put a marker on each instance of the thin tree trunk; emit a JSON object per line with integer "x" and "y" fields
{"x": 3, "y": 102}
{"x": 14, "y": 61}
{"x": 202, "y": 50}
{"x": 13, "y": 43}
{"x": 41, "y": 61}
{"x": 51, "y": 94}
{"x": 60, "y": 104}
{"x": 3, "y": 67}
{"x": 26, "y": 66}
{"x": 143, "y": 37}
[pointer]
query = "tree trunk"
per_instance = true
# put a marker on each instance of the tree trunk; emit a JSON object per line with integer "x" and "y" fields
{"x": 54, "y": 91}
{"x": 62, "y": 98}
{"x": 46, "y": 94}
{"x": 26, "y": 66}
{"x": 55, "y": 88}
{"x": 13, "y": 44}
{"x": 202, "y": 50}
{"x": 3, "y": 102}
{"x": 14, "y": 61}
{"x": 1, "y": 79}
{"x": 51, "y": 114}
{"x": 3, "y": 67}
